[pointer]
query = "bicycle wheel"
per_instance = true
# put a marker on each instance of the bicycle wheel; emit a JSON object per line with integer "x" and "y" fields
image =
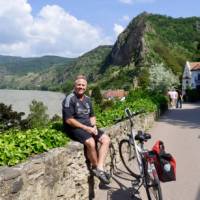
{"x": 128, "y": 156}
{"x": 152, "y": 182}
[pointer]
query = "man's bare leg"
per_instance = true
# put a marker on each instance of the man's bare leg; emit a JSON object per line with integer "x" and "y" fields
{"x": 91, "y": 151}
{"x": 103, "y": 150}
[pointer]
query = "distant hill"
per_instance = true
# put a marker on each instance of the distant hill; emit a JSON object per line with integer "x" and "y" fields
{"x": 21, "y": 66}
{"x": 148, "y": 39}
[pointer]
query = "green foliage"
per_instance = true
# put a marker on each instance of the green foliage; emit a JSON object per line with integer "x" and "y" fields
{"x": 67, "y": 86}
{"x": 174, "y": 40}
{"x": 10, "y": 118}
{"x": 37, "y": 117}
{"x": 20, "y": 66}
{"x": 192, "y": 95}
{"x": 56, "y": 118}
{"x": 161, "y": 79}
{"x": 136, "y": 100}
{"x": 16, "y": 146}
{"x": 106, "y": 104}
{"x": 143, "y": 78}
{"x": 96, "y": 95}
{"x": 119, "y": 77}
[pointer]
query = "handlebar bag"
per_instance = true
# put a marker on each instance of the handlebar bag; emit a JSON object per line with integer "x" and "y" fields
{"x": 165, "y": 163}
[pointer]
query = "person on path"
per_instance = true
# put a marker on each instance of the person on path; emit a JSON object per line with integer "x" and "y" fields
{"x": 179, "y": 99}
{"x": 169, "y": 96}
{"x": 173, "y": 96}
{"x": 80, "y": 125}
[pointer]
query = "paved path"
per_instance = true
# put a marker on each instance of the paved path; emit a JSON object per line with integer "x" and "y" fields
{"x": 180, "y": 131}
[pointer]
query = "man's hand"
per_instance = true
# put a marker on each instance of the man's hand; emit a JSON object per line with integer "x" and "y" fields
{"x": 91, "y": 130}
{"x": 76, "y": 124}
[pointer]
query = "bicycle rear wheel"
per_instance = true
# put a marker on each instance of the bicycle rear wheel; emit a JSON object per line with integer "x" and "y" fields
{"x": 128, "y": 156}
{"x": 152, "y": 182}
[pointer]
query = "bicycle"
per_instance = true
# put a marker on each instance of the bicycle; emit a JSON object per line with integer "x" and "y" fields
{"x": 140, "y": 161}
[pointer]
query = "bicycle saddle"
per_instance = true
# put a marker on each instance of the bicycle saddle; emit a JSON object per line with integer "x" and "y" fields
{"x": 142, "y": 137}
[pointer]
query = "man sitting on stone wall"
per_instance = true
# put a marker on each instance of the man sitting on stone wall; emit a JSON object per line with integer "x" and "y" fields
{"x": 80, "y": 125}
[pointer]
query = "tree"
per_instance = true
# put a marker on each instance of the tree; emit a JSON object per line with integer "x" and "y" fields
{"x": 161, "y": 79}
{"x": 9, "y": 118}
{"x": 96, "y": 94}
{"x": 67, "y": 86}
{"x": 37, "y": 117}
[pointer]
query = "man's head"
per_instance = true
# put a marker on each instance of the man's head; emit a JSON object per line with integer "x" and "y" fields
{"x": 80, "y": 85}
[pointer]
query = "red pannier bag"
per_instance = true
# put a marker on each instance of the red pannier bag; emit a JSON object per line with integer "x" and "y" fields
{"x": 164, "y": 162}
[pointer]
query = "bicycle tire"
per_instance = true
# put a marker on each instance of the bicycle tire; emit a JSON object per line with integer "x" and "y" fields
{"x": 128, "y": 156}
{"x": 152, "y": 183}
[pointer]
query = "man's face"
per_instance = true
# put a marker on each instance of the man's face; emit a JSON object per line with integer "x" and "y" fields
{"x": 80, "y": 86}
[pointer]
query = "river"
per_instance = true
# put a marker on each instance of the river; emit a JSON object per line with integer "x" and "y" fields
{"x": 21, "y": 99}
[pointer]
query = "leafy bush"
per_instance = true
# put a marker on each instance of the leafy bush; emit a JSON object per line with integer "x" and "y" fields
{"x": 96, "y": 95}
{"x": 192, "y": 95}
{"x": 136, "y": 100}
{"x": 16, "y": 146}
{"x": 161, "y": 79}
{"x": 37, "y": 117}
{"x": 106, "y": 104}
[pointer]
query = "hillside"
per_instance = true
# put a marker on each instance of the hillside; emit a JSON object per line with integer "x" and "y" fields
{"x": 21, "y": 66}
{"x": 156, "y": 38}
{"x": 53, "y": 73}
{"x": 148, "y": 39}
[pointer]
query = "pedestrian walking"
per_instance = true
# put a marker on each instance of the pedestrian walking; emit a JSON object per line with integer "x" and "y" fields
{"x": 179, "y": 99}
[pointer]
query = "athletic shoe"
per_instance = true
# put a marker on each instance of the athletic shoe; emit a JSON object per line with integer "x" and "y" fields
{"x": 101, "y": 175}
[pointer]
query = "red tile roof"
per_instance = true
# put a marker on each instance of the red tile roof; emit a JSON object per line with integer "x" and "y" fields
{"x": 115, "y": 94}
{"x": 194, "y": 66}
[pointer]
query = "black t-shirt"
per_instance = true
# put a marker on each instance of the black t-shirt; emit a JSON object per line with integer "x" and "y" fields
{"x": 73, "y": 107}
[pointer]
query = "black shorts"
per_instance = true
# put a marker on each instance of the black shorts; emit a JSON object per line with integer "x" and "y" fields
{"x": 81, "y": 135}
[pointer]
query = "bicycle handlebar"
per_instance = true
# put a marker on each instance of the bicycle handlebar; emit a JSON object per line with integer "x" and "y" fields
{"x": 129, "y": 115}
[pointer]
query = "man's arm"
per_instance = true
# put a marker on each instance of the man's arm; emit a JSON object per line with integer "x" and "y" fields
{"x": 93, "y": 120}
{"x": 76, "y": 124}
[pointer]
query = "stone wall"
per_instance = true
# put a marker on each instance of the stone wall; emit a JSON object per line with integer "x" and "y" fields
{"x": 61, "y": 173}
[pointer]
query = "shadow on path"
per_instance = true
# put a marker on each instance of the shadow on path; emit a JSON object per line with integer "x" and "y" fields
{"x": 188, "y": 116}
{"x": 122, "y": 187}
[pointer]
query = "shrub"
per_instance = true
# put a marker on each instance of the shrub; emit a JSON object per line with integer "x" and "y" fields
{"x": 37, "y": 117}
{"x": 193, "y": 95}
{"x": 96, "y": 95}
{"x": 161, "y": 79}
{"x": 10, "y": 118}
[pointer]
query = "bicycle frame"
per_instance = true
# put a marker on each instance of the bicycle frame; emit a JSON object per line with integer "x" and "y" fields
{"x": 140, "y": 151}
{"x": 147, "y": 174}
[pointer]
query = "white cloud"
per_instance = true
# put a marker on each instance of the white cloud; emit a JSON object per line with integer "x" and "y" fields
{"x": 118, "y": 29}
{"x": 52, "y": 31}
{"x": 136, "y": 1}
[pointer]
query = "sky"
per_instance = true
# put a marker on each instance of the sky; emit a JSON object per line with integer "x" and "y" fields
{"x": 70, "y": 28}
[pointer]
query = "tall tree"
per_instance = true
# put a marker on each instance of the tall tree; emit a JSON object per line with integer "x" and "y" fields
{"x": 96, "y": 94}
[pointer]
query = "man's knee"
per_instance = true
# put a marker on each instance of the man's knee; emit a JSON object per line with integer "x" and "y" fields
{"x": 105, "y": 139}
{"x": 90, "y": 143}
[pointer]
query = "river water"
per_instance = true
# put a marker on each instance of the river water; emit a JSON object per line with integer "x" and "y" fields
{"x": 21, "y": 99}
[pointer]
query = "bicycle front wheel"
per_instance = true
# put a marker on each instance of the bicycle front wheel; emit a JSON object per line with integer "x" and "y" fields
{"x": 152, "y": 182}
{"x": 128, "y": 156}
